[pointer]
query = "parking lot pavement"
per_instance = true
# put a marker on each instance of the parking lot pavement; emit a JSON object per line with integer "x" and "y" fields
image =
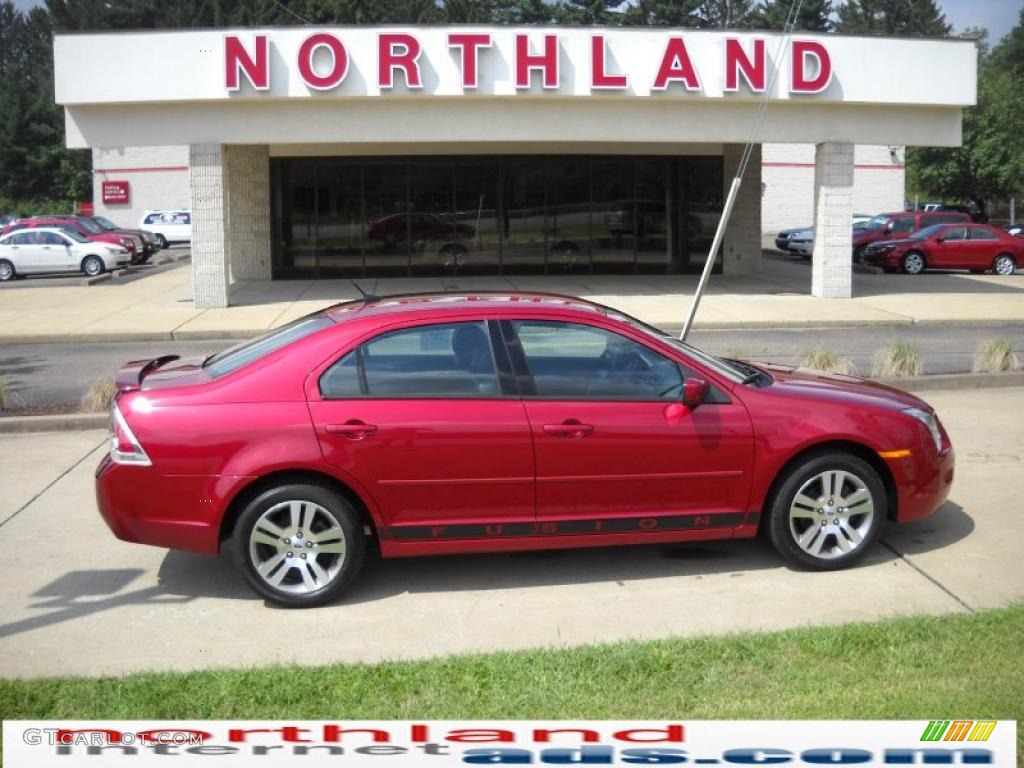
{"x": 77, "y": 601}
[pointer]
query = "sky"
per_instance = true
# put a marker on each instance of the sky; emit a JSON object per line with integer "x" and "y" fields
{"x": 998, "y": 16}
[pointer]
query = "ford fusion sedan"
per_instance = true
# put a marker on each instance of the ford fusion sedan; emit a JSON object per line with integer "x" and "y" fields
{"x": 53, "y": 249}
{"x": 977, "y": 247}
{"x": 454, "y": 423}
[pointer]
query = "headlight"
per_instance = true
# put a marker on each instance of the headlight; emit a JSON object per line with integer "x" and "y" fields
{"x": 928, "y": 419}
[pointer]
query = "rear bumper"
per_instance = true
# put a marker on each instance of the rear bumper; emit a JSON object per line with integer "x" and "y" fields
{"x": 140, "y": 505}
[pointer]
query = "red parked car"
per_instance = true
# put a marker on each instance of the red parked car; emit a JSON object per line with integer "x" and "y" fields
{"x": 977, "y": 247}
{"x": 890, "y": 225}
{"x": 86, "y": 229}
{"x": 485, "y": 422}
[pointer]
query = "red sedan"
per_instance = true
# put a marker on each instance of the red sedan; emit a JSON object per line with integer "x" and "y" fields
{"x": 977, "y": 247}
{"x": 484, "y": 422}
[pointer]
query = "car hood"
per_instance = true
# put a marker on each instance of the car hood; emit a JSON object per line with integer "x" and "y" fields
{"x": 794, "y": 230}
{"x": 832, "y": 386}
{"x": 895, "y": 241}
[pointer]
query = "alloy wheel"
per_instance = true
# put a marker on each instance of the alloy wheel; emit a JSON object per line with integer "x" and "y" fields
{"x": 6, "y": 271}
{"x": 297, "y": 547}
{"x": 831, "y": 514}
{"x": 92, "y": 266}
{"x": 913, "y": 263}
{"x": 1004, "y": 265}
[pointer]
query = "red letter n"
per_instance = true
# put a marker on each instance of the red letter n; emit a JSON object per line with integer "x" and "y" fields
{"x": 737, "y": 63}
{"x": 237, "y": 60}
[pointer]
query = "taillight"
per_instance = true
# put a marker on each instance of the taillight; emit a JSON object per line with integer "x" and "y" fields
{"x": 124, "y": 446}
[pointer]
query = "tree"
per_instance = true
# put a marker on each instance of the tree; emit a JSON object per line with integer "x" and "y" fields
{"x": 919, "y": 18}
{"x": 989, "y": 164}
{"x": 663, "y": 13}
{"x": 720, "y": 14}
{"x": 814, "y": 15}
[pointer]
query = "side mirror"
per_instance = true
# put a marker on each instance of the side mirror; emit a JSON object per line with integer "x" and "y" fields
{"x": 695, "y": 391}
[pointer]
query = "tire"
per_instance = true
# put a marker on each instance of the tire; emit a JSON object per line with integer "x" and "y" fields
{"x": 162, "y": 240}
{"x": 93, "y": 265}
{"x": 804, "y": 490}
{"x": 565, "y": 255}
{"x": 805, "y": 256}
{"x": 858, "y": 254}
{"x": 7, "y": 271}
{"x": 1004, "y": 265}
{"x": 266, "y": 534}
{"x": 913, "y": 263}
{"x": 453, "y": 256}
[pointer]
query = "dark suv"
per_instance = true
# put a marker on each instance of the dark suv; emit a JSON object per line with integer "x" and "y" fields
{"x": 901, "y": 224}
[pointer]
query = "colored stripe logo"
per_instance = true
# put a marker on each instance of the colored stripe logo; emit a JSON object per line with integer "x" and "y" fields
{"x": 958, "y": 730}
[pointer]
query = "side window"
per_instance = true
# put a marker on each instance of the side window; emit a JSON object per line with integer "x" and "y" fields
{"x": 20, "y": 239}
{"x": 153, "y": 218}
{"x": 954, "y": 233}
{"x": 52, "y": 238}
{"x": 904, "y": 224}
{"x": 184, "y": 218}
{"x": 977, "y": 233}
{"x": 569, "y": 360}
{"x": 445, "y": 360}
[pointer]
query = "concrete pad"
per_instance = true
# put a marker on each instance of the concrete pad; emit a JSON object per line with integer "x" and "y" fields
{"x": 170, "y": 610}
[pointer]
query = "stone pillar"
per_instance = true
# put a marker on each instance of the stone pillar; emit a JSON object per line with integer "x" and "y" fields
{"x": 209, "y": 257}
{"x": 741, "y": 246}
{"x": 832, "y": 269}
{"x": 247, "y": 211}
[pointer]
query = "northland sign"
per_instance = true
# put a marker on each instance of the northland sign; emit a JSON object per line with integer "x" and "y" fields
{"x": 322, "y": 61}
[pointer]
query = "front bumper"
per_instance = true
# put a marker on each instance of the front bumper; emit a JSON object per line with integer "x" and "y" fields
{"x": 881, "y": 258}
{"x": 923, "y": 483}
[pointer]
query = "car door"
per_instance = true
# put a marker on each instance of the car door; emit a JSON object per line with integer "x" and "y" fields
{"x": 984, "y": 244}
{"x": 54, "y": 250}
{"x": 949, "y": 248}
{"x": 616, "y": 450}
{"x": 26, "y": 253}
{"x": 423, "y": 419}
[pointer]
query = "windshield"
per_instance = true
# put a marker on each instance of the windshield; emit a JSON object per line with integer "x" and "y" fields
{"x": 88, "y": 226}
{"x": 104, "y": 222}
{"x": 924, "y": 234}
{"x": 242, "y": 354}
{"x": 876, "y": 223}
{"x": 716, "y": 364}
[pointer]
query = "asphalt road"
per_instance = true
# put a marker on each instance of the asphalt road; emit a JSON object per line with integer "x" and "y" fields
{"x": 45, "y": 374}
{"x": 91, "y": 604}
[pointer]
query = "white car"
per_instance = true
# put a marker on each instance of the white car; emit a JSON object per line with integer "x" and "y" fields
{"x": 51, "y": 249}
{"x": 170, "y": 226}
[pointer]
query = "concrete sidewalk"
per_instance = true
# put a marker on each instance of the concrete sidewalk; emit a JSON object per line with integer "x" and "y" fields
{"x": 64, "y": 613}
{"x": 160, "y": 306}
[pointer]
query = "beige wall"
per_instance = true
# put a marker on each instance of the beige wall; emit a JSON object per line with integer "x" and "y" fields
{"x": 157, "y": 178}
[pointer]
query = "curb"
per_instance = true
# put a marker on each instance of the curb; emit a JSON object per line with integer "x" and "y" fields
{"x": 61, "y": 422}
{"x": 58, "y": 422}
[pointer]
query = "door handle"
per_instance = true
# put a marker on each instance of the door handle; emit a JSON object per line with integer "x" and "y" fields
{"x": 352, "y": 429}
{"x": 571, "y": 428}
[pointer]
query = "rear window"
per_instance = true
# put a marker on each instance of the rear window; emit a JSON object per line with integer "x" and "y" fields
{"x": 235, "y": 357}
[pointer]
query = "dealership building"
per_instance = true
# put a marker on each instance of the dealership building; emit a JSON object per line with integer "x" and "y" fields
{"x": 418, "y": 151}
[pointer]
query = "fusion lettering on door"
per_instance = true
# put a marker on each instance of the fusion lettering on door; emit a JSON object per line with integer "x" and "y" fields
{"x": 532, "y": 61}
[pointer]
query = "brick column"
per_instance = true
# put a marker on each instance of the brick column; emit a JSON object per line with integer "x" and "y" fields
{"x": 247, "y": 209}
{"x": 741, "y": 246}
{"x": 831, "y": 270}
{"x": 209, "y": 261}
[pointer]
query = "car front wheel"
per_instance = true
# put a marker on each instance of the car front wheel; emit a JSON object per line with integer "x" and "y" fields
{"x": 913, "y": 263}
{"x": 92, "y": 266}
{"x": 827, "y": 511}
{"x": 299, "y": 545}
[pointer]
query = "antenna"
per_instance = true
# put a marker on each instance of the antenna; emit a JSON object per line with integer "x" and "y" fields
{"x": 762, "y": 107}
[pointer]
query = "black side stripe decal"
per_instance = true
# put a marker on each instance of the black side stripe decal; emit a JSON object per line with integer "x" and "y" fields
{"x": 567, "y": 527}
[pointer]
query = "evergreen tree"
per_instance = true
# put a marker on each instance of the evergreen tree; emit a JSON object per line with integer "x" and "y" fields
{"x": 720, "y": 14}
{"x": 918, "y": 18}
{"x": 588, "y": 12}
{"x": 814, "y": 15}
{"x": 663, "y": 13}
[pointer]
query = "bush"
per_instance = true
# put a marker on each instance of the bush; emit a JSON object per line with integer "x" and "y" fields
{"x": 829, "y": 361}
{"x": 27, "y": 208}
{"x": 995, "y": 356}
{"x": 99, "y": 396}
{"x": 897, "y": 359}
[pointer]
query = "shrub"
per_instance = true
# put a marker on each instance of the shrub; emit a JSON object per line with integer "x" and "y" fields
{"x": 897, "y": 359}
{"x": 99, "y": 396}
{"x": 830, "y": 361}
{"x": 995, "y": 356}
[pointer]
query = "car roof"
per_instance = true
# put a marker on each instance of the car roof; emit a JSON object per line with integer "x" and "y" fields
{"x": 469, "y": 302}
{"x": 23, "y": 230}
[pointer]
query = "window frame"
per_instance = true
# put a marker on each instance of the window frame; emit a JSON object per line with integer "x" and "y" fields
{"x": 528, "y": 387}
{"x": 502, "y": 365}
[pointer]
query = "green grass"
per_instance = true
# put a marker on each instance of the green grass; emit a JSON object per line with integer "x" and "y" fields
{"x": 962, "y": 666}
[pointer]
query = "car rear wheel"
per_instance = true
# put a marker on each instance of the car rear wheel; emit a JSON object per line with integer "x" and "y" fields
{"x": 299, "y": 545}
{"x": 565, "y": 255}
{"x": 1004, "y": 265}
{"x": 6, "y": 270}
{"x": 827, "y": 511}
{"x": 858, "y": 254}
{"x": 162, "y": 240}
{"x": 92, "y": 266}
{"x": 913, "y": 263}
